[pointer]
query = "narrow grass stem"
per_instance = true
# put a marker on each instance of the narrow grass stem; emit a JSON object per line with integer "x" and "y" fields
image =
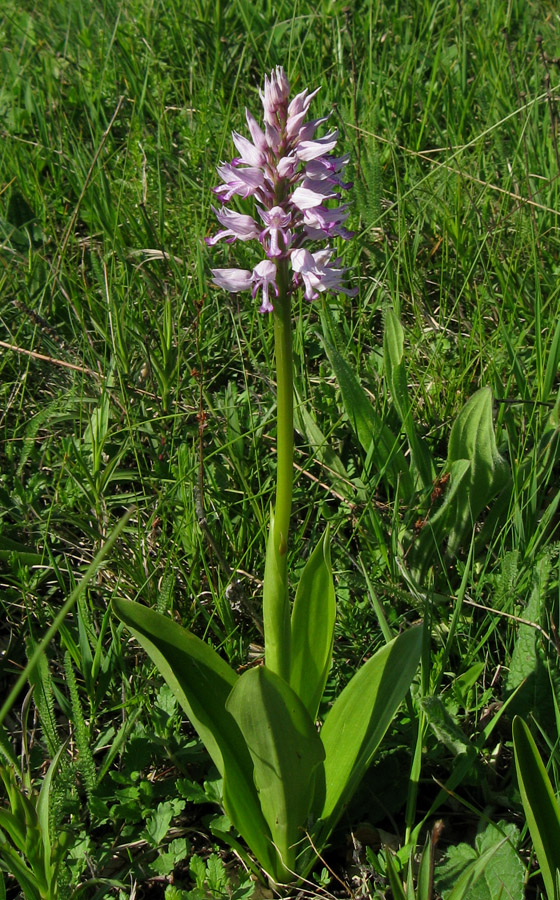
{"x": 59, "y": 618}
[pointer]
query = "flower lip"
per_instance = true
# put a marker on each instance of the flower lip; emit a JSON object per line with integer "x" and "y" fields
{"x": 264, "y": 276}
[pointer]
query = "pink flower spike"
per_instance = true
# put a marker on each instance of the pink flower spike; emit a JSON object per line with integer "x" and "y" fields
{"x": 264, "y": 275}
{"x": 297, "y": 184}
{"x": 232, "y": 280}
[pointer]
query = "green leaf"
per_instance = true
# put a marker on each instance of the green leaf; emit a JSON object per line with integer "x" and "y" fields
{"x": 43, "y": 814}
{"x": 393, "y": 346}
{"x": 202, "y": 681}
{"x": 313, "y": 620}
{"x": 472, "y": 438}
{"x": 424, "y": 883}
{"x": 359, "y": 718}
{"x": 14, "y": 827}
{"x": 477, "y": 474}
{"x": 11, "y": 862}
{"x": 389, "y": 459}
{"x": 395, "y": 883}
{"x": 528, "y": 672}
{"x": 539, "y": 804}
{"x": 286, "y": 751}
{"x": 321, "y": 448}
{"x": 488, "y": 871}
{"x": 216, "y": 876}
{"x": 157, "y": 825}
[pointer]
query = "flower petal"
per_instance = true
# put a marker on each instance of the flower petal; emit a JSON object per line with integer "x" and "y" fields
{"x": 239, "y": 226}
{"x": 307, "y": 150}
{"x": 305, "y": 198}
{"x": 232, "y": 280}
{"x": 250, "y": 155}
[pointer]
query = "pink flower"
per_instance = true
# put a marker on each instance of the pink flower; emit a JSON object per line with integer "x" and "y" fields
{"x": 238, "y": 181}
{"x": 316, "y": 273}
{"x": 232, "y": 280}
{"x": 263, "y": 277}
{"x": 305, "y": 197}
{"x": 250, "y": 154}
{"x": 275, "y": 95}
{"x": 237, "y": 226}
{"x": 277, "y": 227}
{"x": 297, "y": 184}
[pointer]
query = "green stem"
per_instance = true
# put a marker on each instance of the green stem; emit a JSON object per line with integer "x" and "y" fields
{"x": 276, "y": 603}
{"x": 285, "y": 410}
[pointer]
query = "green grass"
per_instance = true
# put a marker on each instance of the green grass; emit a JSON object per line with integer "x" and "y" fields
{"x": 127, "y": 378}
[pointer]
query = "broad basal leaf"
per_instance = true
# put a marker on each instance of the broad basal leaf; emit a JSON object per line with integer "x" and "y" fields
{"x": 287, "y": 755}
{"x": 359, "y": 719}
{"x": 202, "y": 682}
{"x": 313, "y": 618}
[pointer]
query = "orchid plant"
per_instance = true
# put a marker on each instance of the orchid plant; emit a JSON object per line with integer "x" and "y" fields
{"x": 286, "y": 777}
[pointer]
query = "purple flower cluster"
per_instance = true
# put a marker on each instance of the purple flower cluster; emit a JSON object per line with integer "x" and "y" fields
{"x": 292, "y": 177}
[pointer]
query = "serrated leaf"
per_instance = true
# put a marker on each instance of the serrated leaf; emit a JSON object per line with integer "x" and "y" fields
{"x": 286, "y": 753}
{"x": 163, "y": 864}
{"x": 216, "y": 875}
{"x": 445, "y": 728}
{"x": 488, "y": 871}
{"x": 157, "y": 824}
{"x": 198, "y": 869}
{"x": 313, "y": 620}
